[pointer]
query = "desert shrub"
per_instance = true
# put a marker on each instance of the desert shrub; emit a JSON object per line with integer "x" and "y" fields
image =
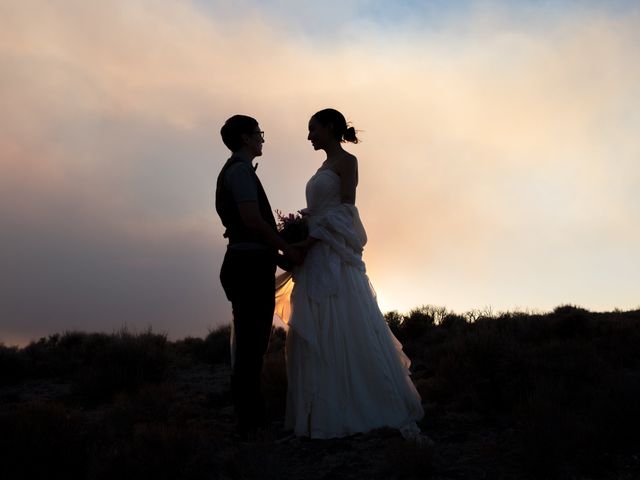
{"x": 615, "y": 411}
{"x": 567, "y": 382}
{"x": 616, "y": 337}
{"x": 120, "y": 362}
{"x": 187, "y": 350}
{"x": 418, "y": 322}
{"x": 452, "y": 321}
{"x": 560, "y": 427}
{"x": 55, "y": 355}
{"x": 52, "y": 356}
{"x": 557, "y": 392}
{"x": 14, "y": 365}
{"x": 64, "y": 354}
{"x": 580, "y": 406}
{"x": 150, "y": 403}
{"x": 394, "y": 320}
{"x": 216, "y": 346}
{"x": 481, "y": 369}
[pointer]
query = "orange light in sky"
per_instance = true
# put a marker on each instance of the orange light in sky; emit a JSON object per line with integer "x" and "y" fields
{"x": 498, "y": 164}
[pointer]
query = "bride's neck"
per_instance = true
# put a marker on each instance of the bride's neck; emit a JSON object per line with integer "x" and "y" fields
{"x": 333, "y": 150}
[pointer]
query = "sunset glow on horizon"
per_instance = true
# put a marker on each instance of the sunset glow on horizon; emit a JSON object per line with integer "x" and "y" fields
{"x": 499, "y": 163}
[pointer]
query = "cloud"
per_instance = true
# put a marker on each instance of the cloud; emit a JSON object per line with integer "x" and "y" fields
{"x": 498, "y": 163}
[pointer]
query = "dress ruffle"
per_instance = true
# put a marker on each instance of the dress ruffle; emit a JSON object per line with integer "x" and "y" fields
{"x": 347, "y": 373}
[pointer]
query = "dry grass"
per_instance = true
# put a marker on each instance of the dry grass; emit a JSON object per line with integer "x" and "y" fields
{"x": 507, "y": 395}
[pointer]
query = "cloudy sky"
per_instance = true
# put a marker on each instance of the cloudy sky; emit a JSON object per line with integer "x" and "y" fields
{"x": 499, "y": 165}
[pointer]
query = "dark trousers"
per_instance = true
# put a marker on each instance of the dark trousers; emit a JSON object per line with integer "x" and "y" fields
{"x": 248, "y": 279}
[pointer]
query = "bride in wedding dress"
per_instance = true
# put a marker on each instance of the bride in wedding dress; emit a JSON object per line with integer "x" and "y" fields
{"x": 346, "y": 371}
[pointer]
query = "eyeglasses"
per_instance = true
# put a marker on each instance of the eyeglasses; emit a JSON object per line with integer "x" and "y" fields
{"x": 259, "y": 132}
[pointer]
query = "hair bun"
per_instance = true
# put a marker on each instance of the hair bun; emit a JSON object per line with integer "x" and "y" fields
{"x": 350, "y": 135}
{"x": 333, "y": 118}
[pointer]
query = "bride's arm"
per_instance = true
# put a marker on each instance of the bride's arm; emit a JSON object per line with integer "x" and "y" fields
{"x": 348, "y": 170}
{"x": 306, "y": 244}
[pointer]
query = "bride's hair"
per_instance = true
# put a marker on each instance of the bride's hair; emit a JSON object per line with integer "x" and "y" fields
{"x": 341, "y": 131}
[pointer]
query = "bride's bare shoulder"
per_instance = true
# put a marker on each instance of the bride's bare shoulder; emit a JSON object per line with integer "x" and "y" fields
{"x": 348, "y": 160}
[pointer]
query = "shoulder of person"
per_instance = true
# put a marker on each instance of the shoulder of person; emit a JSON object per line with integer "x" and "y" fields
{"x": 240, "y": 173}
{"x": 348, "y": 162}
{"x": 240, "y": 169}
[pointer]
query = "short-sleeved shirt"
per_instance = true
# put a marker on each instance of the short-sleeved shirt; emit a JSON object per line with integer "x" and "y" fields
{"x": 241, "y": 181}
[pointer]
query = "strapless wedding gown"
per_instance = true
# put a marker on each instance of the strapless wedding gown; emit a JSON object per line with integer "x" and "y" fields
{"x": 346, "y": 371}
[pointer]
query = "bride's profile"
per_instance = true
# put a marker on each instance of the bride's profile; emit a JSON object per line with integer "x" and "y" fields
{"x": 346, "y": 371}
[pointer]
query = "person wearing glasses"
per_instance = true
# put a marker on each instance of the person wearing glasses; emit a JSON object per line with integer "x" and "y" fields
{"x": 248, "y": 269}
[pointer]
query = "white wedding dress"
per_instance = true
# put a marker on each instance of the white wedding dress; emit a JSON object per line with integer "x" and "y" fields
{"x": 346, "y": 371}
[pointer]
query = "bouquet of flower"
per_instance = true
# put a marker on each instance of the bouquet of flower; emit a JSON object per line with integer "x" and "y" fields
{"x": 293, "y": 228}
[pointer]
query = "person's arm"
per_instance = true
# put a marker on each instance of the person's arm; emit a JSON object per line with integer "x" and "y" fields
{"x": 348, "y": 170}
{"x": 250, "y": 215}
{"x": 306, "y": 244}
{"x": 240, "y": 179}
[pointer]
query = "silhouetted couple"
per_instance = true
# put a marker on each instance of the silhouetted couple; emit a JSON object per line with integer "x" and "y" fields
{"x": 346, "y": 371}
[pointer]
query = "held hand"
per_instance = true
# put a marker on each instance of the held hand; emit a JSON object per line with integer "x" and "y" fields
{"x": 295, "y": 255}
{"x": 306, "y": 244}
{"x": 302, "y": 246}
{"x": 284, "y": 263}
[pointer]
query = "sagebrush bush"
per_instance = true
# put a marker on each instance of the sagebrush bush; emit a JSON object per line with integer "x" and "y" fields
{"x": 120, "y": 362}
{"x": 216, "y": 347}
{"x": 507, "y": 395}
{"x": 566, "y": 381}
{"x": 150, "y": 403}
{"x": 14, "y": 365}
